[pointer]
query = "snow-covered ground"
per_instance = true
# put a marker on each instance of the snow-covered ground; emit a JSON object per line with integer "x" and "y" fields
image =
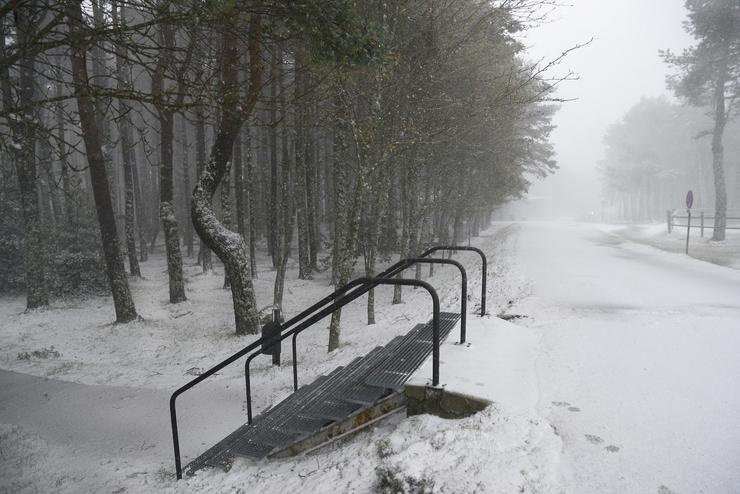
{"x": 622, "y": 377}
{"x": 723, "y": 253}
{"x": 638, "y": 366}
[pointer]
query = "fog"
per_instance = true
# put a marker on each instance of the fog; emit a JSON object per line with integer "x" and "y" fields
{"x": 619, "y": 66}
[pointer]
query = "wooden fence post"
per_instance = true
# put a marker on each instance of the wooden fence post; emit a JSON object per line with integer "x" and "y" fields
{"x": 669, "y": 218}
{"x": 702, "y": 224}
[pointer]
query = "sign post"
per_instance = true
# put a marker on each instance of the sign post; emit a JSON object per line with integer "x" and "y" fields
{"x": 689, "y": 203}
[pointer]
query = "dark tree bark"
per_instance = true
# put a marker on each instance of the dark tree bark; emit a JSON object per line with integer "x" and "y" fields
{"x": 226, "y": 207}
{"x": 251, "y": 202}
{"x": 124, "y": 304}
{"x": 229, "y": 246}
{"x": 286, "y": 213}
{"x": 167, "y": 209}
{"x": 186, "y": 185}
{"x": 275, "y": 81}
{"x": 23, "y": 128}
{"x": 127, "y": 150}
{"x": 313, "y": 232}
{"x": 141, "y": 216}
{"x": 301, "y": 156}
{"x": 166, "y": 117}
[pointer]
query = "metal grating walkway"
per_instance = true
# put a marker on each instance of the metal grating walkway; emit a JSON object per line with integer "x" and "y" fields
{"x": 344, "y": 393}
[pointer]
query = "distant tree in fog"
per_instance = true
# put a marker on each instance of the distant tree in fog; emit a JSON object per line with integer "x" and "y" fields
{"x": 708, "y": 73}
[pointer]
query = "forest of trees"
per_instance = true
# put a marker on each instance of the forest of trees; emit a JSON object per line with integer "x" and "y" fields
{"x": 329, "y": 131}
{"x": 659, "y": 151}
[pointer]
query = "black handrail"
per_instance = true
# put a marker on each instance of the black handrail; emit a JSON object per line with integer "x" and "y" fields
{"x": 249, "y": 348}
{"x": 190, "y": 384}
{"x": 390, "y": 271}
{"x": 365, "y": 285}
{"x": 463, "y": 289}
{"x": 484, "y": 268}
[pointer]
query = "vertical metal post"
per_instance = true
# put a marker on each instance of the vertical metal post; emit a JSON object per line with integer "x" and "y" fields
{"x": 688, "y": 230}
{"x": 669, "y": 220}
{"x": 175, "y": 438}
{"x": 435, "y": 339}
{"x": 295, "y": 363}
{"x": 702, "y": 224}
{"x": 484, "y": 275}
{"x": 276, "y": 319}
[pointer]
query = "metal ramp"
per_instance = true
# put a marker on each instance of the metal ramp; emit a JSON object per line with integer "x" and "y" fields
{"x": 339, "y": 403}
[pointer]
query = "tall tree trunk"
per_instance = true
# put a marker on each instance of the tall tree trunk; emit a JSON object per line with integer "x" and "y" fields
{"x": 141, "y": 216}
{"x": 349, "y": 237}
{"x": 226, "y": 205}
{"x": 204, "y": 253}
{"x": 23, "y": 128}
{"x": 101, "y": 78}
{"x": 186, "y": 184}
{"x": 124, "y": 304}
{"x": 127, "y": 150}
{"x": 301, "y": 154}
{"x": 313, "y": 232}
{"x": 380, "y": 205}
{"x": 229, "y": 246}
{"x": 239, "y": 187}
{"x": 276, "y": 71}
{"x": 720, "y": 187}
{"x": 407, "y": 211}
{"x": 167, "y": 208}
{"x": 286, "y": 214}
{"x": 251, "y": 202}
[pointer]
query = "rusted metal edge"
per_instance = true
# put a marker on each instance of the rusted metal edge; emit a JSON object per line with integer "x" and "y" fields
{"x": 338, "y": 430}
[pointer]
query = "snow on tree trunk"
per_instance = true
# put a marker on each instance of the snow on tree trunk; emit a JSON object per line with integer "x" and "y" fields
{"x": 204, "y": 253}
{"x": 229, "y": 246}
{"x": 167, "y": 208}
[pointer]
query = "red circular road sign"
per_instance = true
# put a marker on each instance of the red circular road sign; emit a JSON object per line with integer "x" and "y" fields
{"x": 689, "y": 199}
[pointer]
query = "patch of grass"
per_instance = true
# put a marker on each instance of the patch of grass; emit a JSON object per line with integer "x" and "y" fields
{"x": 43, "y": 354}
{"x": 393, "y": 480}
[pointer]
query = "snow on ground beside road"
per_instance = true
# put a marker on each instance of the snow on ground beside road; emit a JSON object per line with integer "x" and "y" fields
{"x": 620, "y": 376}
{"x": 491, "y": 451}
{"x": 724, "y": 253}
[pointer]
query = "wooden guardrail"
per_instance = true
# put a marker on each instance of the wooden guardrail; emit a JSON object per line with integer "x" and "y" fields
{"x": 676, "y": 218}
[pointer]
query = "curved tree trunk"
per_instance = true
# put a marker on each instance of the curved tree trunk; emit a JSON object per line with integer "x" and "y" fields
{"x": 230, "y": 246}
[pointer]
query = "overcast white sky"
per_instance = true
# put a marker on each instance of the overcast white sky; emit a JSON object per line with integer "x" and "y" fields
{"x": 619, "y": 67}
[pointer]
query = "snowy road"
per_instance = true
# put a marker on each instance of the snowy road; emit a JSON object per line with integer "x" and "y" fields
{"x": 639, "y": 364}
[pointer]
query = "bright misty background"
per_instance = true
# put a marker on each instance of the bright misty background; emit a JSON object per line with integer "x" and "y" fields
{"x": 614, "y": 71}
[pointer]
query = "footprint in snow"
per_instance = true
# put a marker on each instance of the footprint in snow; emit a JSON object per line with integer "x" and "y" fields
{"x": 561, "y": 403}
{"x": 613, "y": 449}
{"x": 593, "y": 439}
{"x": 574, "y": 409}
{"x": 666, "y": 490}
